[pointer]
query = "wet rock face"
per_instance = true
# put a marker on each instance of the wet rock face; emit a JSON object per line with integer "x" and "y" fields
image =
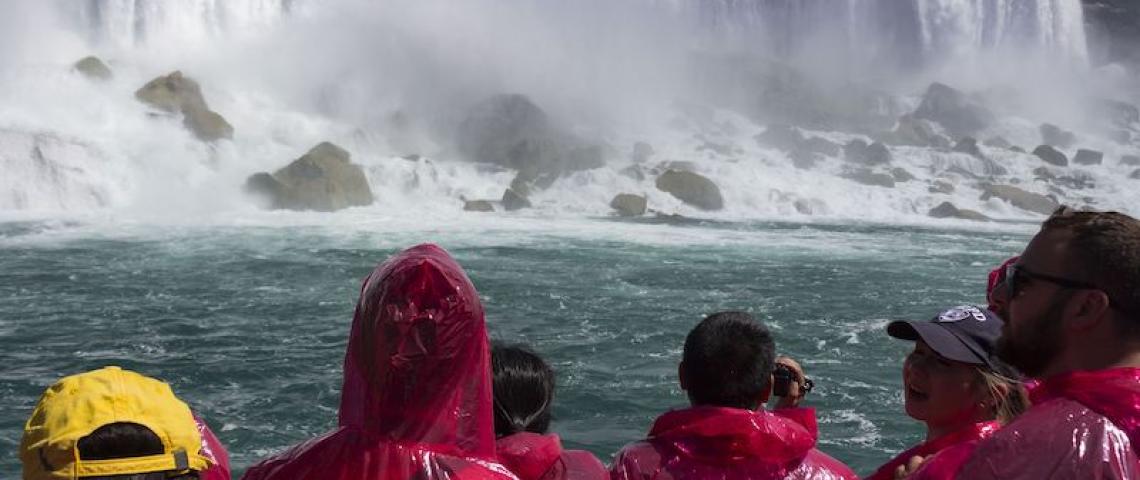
{"x": 1114, "y": 30}
{"x": 691, "y": 188}
{"x": 93, "y": 68}
{"x": 513, "y": 200}
{"x": 629, "y": 205}
{"x": 324, "y": 179}
{"x": 478, "y": 206}
{"x": 949, "y": 210}
{"x": 1033, "y": 202}
{"x": 1054, "y": 136}
{"x": 176, "y": 93}
{"x": 1051, "y": 156}
{"x": 960, "y": 115}
{"x": 510, "y": 130}
{"x": 1088, "y": 157}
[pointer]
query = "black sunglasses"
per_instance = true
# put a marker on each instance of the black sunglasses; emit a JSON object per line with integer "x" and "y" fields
{"x": 1015, "y": 275}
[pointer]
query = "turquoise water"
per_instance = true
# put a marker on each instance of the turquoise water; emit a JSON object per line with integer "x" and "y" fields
{"x": 248, "y": 323}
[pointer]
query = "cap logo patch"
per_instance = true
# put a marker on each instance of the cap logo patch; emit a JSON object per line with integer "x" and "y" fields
{"x": 958, "y": 314}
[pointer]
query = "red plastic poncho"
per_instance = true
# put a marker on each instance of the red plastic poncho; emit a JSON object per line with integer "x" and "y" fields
{"x": 213, "y": 450}
{"x": 949, "y": 452}
{"x": 713, "y": 443}
{"x": 540, "y": 457}
{"x": 1083, "y": 425}
{"x": 416, "y": 400}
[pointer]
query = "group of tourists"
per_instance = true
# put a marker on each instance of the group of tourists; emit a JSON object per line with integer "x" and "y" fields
{"x": 1043, "y": 382}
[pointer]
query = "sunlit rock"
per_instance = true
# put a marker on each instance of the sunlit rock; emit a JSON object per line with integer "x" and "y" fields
{"x": 323, "y": 179}
{"x": 629, "y": 205}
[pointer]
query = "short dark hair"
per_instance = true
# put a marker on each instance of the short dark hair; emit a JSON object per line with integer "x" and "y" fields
{"x": 728, "y": 361}
{"x": 125, "y": 440}
{"x": 1104, "y": 249}
{"x": 523, "y": 390}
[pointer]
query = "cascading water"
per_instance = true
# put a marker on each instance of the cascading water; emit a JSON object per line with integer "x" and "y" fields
{"x": 291, "y": 73}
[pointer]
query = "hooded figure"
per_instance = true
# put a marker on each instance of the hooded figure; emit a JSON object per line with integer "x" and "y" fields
{"x": 416, "y": 400}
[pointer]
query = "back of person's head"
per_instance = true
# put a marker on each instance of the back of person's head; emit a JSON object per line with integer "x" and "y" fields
{"x": 1103, "y": 248}
{"x": 111, "y": 424}
{"x": 728, "y": 361}
{"x": 523, "y": 390}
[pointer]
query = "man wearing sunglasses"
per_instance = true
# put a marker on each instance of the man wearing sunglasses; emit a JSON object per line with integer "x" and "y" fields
{"x": 1074, "y": 324}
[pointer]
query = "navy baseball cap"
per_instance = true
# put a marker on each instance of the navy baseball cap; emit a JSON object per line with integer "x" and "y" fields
{"x": 965, "y": 334}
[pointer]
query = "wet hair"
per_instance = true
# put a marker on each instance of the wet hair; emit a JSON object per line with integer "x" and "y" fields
{"x": 1103, "y": 248}
{"x": 728, "y": 361}
{"x": 523, "y": 390}
{"x": 125, "y": 440}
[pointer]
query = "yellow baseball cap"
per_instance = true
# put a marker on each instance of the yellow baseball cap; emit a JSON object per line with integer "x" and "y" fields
{"x": 78, "y": 405}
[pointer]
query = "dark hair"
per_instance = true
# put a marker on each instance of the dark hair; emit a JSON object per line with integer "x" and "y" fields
{"x": 523, "y": 390}
{"x": 1104, "y": 249}
{"x": 125, "y": 440}
{"x": 728, "y": 361}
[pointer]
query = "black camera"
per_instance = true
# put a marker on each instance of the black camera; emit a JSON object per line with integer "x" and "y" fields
{"x": 784, "y": 376}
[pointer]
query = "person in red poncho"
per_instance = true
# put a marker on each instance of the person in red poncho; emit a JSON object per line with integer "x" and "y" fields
{"x": 524, "y": 396}
{"x": 416, "y": 399}
{"x": 1074, "y": 324}
{"x": 727, "y": 371}
{"x": 955, "y": 385}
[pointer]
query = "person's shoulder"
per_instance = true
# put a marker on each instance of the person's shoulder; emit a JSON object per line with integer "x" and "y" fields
{"x": 821, "y": 466}
{"x": 635, "y": 459}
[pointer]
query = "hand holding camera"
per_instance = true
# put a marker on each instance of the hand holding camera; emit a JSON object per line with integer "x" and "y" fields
{"x": 789, "y": 383}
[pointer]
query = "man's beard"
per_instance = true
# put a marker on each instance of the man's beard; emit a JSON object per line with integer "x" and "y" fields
{"x": 1038, "y": 342}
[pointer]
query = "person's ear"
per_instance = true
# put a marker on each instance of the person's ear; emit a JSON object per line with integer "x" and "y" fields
{"x": 681, "y": 376}
{"x": 1087, "y": 309}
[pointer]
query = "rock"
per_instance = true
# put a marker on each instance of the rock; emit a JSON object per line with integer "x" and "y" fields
{"x": 997, "y": 142}
{"x": 1043, "y": 173}
{"x": 857, "y": 151}
{"x": 628, "y": 205}
{"x": 478, "y": 206}
{"x": 915, "y": 132}
{"x": 1051, "y": 156}
{"x": 948, "y": 210}
{"x": 207, "y": 125}
{"x": 783, "y": 137}
{"x": 952, "y": 109}
{"x": 804, "y": 160}
{"x": 512, "y": 131}
{"x": 513, "y": 200}
{"x": 1135, "y": 174}
{"x": 633, "y": 171}
{"x": 968, "y": 145}
{"x": 1076, "y": 181}
{"x": 1019, "y": 198}
{"x": 901, "y": 175}
{"x": 692, "y": 189}
{"x": 641, "y": 152}
{"x": 821, "y": 146}
{"x": 323, "y": 180}
{"x": 176, "y": 93}
{"x": 867, "y": 176}
{"x": 1088, "y": 157}
{"x": 93, "y": 68}
{"x": 1054, "y": 136}
{"x": 1130, "y": 160}
{"x": 941, "y": 186}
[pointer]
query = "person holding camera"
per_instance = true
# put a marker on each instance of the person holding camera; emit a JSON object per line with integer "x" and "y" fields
{"x": 954, "y": 383}
{"x": 728, "y": 372}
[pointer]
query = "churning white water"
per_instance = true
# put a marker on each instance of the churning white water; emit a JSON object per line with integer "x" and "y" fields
{"x": 378, "y": 77}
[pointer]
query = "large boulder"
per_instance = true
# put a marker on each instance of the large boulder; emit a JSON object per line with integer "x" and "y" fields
{"x": 915, "y": 132}
{"x": 93, "y": 67}
{"x": 948, "y": 210}
{"x": 858, "y": 151}
{"x": 1019, "y": 198}
{"x": 1055, "y": 136}
{"x": 628, "y": 205}
{"x": 510, "y": 130}
{"x": 691, "y": 188}
{"x": 1051, "y": 156}
{"x": 513, "y": 200}
{"x": 956, "y": 112}
{"x": 176, "y": 93}
{"x": 867, "y": 176}
{"x": 783, "y": 137}
{"x": 1088, "y": 157}
{"x": 324, "y": 179}
{"x": 969, "y": 145}
{"x": 1135, "y": 174}
{"x": 478, "y": 206}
